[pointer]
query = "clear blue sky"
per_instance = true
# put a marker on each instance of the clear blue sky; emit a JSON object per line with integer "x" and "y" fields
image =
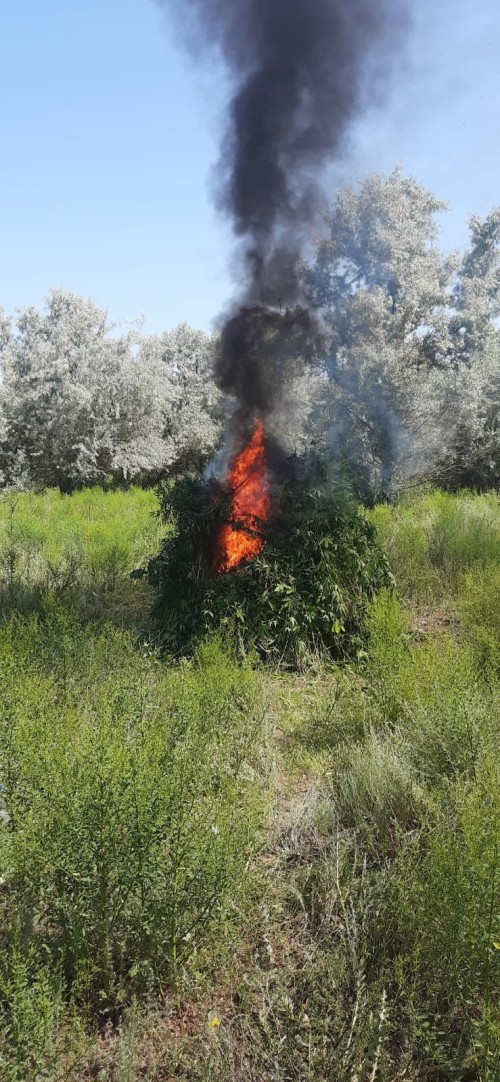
{"x": 108, "y": 134}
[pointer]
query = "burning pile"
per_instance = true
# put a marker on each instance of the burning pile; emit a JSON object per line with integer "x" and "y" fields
{"x": 292, "y": 577}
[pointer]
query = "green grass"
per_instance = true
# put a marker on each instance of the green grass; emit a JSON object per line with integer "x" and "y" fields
{"x": 132, "y": 799}
{"x": 78, "y": 549}
{"x": 182, "y": 896}
{"x": 386, "y": 914}
{"x": 434, "y": 538}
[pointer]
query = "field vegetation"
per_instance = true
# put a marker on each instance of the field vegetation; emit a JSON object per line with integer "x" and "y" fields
{"x": 304, "y": 597}
{"x": 213, "y": 869}
{"x": 77, "y": 552}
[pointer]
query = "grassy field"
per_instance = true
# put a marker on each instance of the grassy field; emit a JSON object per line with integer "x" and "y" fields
{"x": 210, "y": 871}
{"x": 78, "y": 550}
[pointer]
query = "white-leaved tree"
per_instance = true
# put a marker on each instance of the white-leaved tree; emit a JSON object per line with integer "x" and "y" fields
{"x": 398, "y": 314}
{"x": 182, "y": 361}
{"x": 5, "y": 333}
{"x": 475, "y": 457}
{"x": 76, "y": 406}
{"x": 405, "y": 384}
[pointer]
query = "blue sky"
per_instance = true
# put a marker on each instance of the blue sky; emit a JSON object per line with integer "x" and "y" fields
{"x": 108, "y": 134}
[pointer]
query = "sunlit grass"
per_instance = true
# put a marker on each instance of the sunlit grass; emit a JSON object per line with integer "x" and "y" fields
{"x": 146, "y": 887}
{"x": 433, "y": 538}
{"x": 80, "y": 548}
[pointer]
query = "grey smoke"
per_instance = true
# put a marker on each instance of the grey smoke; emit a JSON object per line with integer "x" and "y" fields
{"x": 367, "y": 411}
{"x": 300, "y": 72}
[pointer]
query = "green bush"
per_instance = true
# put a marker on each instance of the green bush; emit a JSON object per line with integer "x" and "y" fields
{"x": 33, "y": 1043}
{"x": 131, "y": 803}
{"x": 427, "y": 695}
{"x": 446, "y": 899}
{"x": 305, "y": 596}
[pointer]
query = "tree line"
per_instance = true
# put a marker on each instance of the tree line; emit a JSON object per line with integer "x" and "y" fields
{"x": 405, "y": 386}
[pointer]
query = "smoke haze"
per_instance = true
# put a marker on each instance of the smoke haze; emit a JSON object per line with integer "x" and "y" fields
{"x": 300, "y": 72}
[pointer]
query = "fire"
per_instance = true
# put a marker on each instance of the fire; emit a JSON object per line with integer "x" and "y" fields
{"x": 250, "y": 505}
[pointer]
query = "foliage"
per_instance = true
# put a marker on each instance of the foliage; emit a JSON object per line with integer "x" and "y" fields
{"x": 130, "y": 806}
{"x": 32, "y": 1016}
{"x": 351, "y": 933}
{"x": 480, "y": 611}
{"x": 432, "y": 539}
{"x": 403, "y": 385}
{"x": 303, "y": 597}
{"x": 410, "y": 384}
{"x": 77, "y": 549}
{"x": 193, "y": 408}
{"x": 81, "y": 404}
{"x": 387, "y": 925}
{"x": 76, "y": 406}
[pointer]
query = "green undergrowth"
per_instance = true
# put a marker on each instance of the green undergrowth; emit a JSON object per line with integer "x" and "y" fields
{"x": 433, "y": 539}
{"x": 77, "y": 549}
{"x": 376, "y": 943}
{"x": 213, "y": 870}
{"x": 132, "y": 798}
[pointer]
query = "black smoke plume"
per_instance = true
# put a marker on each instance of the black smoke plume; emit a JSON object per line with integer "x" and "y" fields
{"x": 301, "y": 71}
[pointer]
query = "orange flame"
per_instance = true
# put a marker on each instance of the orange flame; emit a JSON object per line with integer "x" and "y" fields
{"x": 250, "y": 505}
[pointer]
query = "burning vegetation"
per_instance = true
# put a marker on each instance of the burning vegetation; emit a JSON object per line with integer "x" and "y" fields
{"x": 292, "y": 577}
{"x": 269, "y": 554}
{"x": 298, "y": 75}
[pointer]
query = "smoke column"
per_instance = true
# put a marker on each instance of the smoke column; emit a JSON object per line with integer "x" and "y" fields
{"x": 300, "y": 71}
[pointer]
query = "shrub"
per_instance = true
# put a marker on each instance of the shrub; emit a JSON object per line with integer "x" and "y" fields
{"x": 402, "y": 964}
{"x": 427, "y": 695}
{"x": 131, "y": 803}
{"x": 447, "y": 906}
{"x": 33, "y": 1043}
{"x": 304, "y": 596}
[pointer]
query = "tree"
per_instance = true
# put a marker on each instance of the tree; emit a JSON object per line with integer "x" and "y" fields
{"x": 76, "y": 407}
{"x": 409, "y": 331}
{"x": 5, "y": 333}
{"x": 475, "y": 455}
{"x": 192, "y": 407}
{"x": 405, "y": 382}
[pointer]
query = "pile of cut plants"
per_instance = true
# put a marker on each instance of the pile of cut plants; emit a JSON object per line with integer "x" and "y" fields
{"x": 305, "y": 595}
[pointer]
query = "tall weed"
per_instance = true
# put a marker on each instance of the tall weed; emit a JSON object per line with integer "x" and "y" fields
{"x": 431, "y": 540}
{"x": 479, "y": 607}
{"x": 429, "y": 698}
{"x": 79, "y": 549}
{"x": 131, "y": 803}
